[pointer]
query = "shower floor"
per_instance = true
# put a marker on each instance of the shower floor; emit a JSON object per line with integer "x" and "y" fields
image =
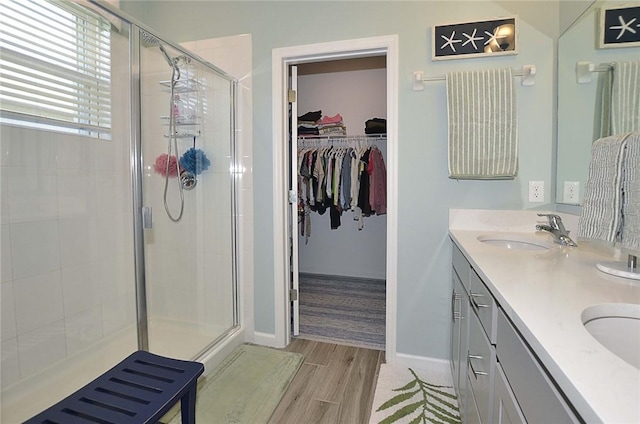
{"x": 168, "y": 338}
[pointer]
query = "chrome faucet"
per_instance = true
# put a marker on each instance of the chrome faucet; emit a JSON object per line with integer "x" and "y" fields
{"x": 556, "y": 229}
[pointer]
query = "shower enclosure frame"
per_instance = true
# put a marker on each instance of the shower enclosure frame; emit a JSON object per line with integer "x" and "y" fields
{"x": 136, "y": 158}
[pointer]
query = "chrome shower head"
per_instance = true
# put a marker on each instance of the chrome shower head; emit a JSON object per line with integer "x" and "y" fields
{"x": 150, "y": 40}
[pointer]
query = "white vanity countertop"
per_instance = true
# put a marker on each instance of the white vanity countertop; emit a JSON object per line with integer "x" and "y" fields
{"x": 544, "y": 294}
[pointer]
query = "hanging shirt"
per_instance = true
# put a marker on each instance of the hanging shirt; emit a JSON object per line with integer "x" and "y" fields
{"x": 377, "y": 182}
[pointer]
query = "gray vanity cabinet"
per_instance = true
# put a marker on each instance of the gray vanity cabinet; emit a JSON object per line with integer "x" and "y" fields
{"x": 498, "y": 378}
{"x": 460, "y": 324}
{"x": 481, "y": 358}
{"x": 505, "y": 406}
{"x": 537, "y": 396}
{"x": 472, "y": 341}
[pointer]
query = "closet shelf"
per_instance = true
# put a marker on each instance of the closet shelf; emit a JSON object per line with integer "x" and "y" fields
{"x": 382, "y": 137}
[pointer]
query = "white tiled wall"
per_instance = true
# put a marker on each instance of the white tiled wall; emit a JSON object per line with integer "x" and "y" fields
{"x": 66, "y": 254}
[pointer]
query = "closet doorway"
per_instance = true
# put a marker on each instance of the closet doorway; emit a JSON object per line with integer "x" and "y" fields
{"x": 355, "y": 263}
{"x": 340, "y": 171}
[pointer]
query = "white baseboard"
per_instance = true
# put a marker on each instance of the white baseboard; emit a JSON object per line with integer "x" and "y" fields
{"x": 214, "y": 357}
{"x": 265, "y": 339}
{"x": 422, "y": 362}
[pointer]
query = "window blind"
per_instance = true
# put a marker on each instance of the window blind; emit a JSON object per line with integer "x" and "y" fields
{"x": 55, "y": 66}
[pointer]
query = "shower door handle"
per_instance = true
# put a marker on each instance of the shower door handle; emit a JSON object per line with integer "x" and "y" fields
{"x": 147, "y": 217}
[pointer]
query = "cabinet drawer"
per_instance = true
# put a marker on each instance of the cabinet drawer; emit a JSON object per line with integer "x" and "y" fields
{"x": 481, "y": 367}
{"x": 539, "y": 399}
{"x": 505, "y": 406}
{"x": 484, "y": 305}
{"x": 460, "y": 265}
{"x": 471, "y": 413}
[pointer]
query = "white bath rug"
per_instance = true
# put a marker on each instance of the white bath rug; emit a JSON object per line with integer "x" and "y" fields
{"x": 412, "y": 396}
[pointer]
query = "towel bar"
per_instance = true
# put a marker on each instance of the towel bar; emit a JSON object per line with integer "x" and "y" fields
{"x": 527, "y": 73}
{"x": 139, "y": 390}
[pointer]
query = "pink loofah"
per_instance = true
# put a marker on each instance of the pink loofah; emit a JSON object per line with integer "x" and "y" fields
{"x": 160, "y": 166}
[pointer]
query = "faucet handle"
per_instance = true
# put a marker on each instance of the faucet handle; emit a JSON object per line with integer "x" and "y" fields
{"x": 554, "y": 220}
{"x": 550, "y": 215}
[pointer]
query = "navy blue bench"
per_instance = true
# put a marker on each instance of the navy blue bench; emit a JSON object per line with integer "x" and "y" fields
{"x": 140, "y": 389}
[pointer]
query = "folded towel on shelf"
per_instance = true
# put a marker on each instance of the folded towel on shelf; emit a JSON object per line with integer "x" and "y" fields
{"x": 332, "y": 130}
{"x": 625, "y": 97}
{"x": 311, "y": 116}
{"x": 630, "y": 239}
{"x": 329, "y": 120}
{"x": 483, "y": 125}
{"x": 375, "y": 126}
{"x": 601, "y": 216}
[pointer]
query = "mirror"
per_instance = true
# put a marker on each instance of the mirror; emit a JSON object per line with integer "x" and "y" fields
{"x": 579, "y": 103}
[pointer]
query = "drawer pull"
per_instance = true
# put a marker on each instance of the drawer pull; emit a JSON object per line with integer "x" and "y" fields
{"x": 454, "y": 297}
{"x": 476, "y": 373}
{"x": 476, "y": 304}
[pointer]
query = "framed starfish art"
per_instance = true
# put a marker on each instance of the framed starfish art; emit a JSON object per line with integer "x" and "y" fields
{"x": 492, "y": 37}
{"x": 619, "y": 27}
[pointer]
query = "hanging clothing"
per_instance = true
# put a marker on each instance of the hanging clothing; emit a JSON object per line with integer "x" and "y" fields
{"x": 377, "y": 182}
{"x": 340, "y": 179}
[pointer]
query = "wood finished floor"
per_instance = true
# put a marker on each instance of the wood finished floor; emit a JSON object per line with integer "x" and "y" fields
{"x": 335, "y": 385}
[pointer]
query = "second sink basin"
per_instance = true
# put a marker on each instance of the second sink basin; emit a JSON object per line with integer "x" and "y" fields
{"x": 514, "y": 241}
{"x": 617, "y": 327}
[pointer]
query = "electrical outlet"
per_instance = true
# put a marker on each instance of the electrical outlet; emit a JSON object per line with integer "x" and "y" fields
{"x": 536, "y": 191}
{"x": 571, "y": 192}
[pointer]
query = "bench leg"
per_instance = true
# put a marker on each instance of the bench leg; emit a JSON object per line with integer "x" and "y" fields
{"x": 188, "y": 406}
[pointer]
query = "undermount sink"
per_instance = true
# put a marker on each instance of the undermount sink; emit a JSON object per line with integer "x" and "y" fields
{"x": 617, "y": 327}
{"x": 514, "y": 241}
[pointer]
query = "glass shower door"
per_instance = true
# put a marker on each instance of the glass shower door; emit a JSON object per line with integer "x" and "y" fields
{"x": 189, "y": 236}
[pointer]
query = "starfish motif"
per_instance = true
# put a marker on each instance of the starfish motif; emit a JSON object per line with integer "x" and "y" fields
{"x": 624, "y": 26}
{"x": 472, "y": 39}
{"x": 450, "y": 41}
{"x": 493, "y": 37}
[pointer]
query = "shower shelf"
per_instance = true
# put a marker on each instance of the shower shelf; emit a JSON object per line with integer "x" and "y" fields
{"x": 184, "y": 134}
{"x": 183, "y": 86}
{"x": 182, "y": 121}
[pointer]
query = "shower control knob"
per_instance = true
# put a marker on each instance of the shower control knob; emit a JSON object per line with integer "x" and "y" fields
{"x": 188, "y": 180}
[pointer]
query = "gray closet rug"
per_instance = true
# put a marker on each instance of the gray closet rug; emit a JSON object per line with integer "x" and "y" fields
{"x": 343, "y": 310}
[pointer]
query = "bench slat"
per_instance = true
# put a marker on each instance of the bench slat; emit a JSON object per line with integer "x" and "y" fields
{"x": 138, "y": 390}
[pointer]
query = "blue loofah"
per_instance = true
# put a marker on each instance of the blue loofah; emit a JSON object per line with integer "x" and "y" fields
{"x": 194, "y": 161}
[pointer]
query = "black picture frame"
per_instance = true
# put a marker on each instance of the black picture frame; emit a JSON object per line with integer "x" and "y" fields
{"x": 619, "y": 27}
{"x": 484, "y": 38}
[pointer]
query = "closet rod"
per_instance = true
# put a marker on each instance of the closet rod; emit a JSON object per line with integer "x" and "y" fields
{"x": 339, "y": 141}
{"x": 527, "y": 73}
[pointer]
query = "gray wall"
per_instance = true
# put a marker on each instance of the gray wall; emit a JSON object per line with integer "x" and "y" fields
{"x": 425, "y": 193}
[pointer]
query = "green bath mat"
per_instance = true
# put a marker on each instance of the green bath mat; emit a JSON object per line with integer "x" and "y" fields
{"x": 404, "y": 396}
{"x": 246, "y": 387}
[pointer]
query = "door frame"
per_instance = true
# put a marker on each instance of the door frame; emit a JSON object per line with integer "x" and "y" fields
{"x": 281, "y": 59}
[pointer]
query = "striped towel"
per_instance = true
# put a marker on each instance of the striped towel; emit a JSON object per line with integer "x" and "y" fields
{"x": 625, "y": 97}
{"x": 601, "y": 216}
{"x": 606, "y": 84}
{"x": 631, "y": 195}
{"x": 483, "y": 127}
